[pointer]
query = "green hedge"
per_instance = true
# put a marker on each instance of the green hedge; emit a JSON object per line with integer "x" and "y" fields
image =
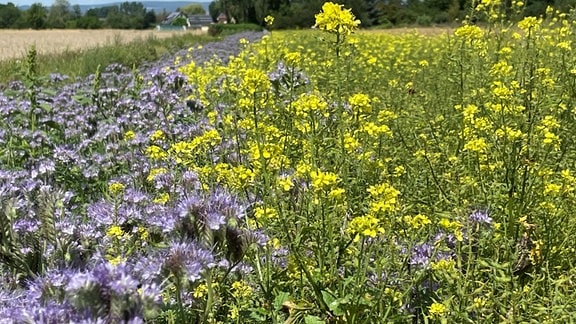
{"x": 227, "y": 29}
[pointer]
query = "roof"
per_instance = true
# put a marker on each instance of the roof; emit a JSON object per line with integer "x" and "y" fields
{"x": 171, "y": 17}
{"x": 199, "y": 20}
{"x": 191, "y": 20}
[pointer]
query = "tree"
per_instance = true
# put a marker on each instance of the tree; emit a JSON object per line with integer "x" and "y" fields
{"x": 76, "y": 11}
{"x": 59, "y": 14}
{"x": 35, "y": 16}
{"x": 193, "y": 9}
{"x": 88, "y": 22}
{"x": 9, "y": 15}
{"x": 214, "y": 9}
{"x": 149, "y": 19}
{"x": 133, "y": 9}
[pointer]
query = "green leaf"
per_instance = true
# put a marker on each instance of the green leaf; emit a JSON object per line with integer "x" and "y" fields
{"x": 333, "y": 303}
{"x": 309, "y": 319}
{"x": 52, "y": 124}
{"x": 46, "y": 107}
{"x": 82, "y": 99}
{"x": 280, "y": 299}
{"x": 258, "y": 314}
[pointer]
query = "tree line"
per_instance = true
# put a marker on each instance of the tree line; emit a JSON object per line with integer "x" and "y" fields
{"x": 300, "y": 13}
{"x": 287, "y": 13}
{"x": 128, "y": 15}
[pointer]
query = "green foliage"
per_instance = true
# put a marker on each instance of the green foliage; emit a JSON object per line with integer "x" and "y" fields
{"x": 300, "y": 13}
{"x": 193, "y": 9}
{"x": 227, "y": 29}
{"x": 127, "y": 15}
{"x": 59, "y": 14}
{"x": 35, "y": 16}
{"x": 180, "y": 21}
{"x": 9, "y": 15}
{"x": 288, "y": 14}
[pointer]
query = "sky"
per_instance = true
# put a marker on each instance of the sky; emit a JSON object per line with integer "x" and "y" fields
{"x": 73, "y": 2}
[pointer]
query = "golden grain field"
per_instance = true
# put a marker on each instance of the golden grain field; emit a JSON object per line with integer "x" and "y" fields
{"x": 15, "y": 43}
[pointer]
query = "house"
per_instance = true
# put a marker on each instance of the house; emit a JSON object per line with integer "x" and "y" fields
{"x": 199, "y": 22}
{"x": 222, "y": 19}
{"x": 175, "y": 20}
{"x": 178, "y": 20}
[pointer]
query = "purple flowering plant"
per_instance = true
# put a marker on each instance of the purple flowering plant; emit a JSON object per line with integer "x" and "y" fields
{"x": 84, "y": 237}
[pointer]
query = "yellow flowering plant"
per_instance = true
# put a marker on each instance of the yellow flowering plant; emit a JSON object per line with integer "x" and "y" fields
{"x": 390, "y": 177}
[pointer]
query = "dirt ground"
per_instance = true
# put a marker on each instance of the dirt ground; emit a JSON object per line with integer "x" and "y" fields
{"x": 15, "y": 43}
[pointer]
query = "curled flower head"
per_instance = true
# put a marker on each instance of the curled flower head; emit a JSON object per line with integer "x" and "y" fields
{"x": 335, "y": 19}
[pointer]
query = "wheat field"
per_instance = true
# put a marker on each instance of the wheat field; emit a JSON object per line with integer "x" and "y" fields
{"x": 15, "y": 43}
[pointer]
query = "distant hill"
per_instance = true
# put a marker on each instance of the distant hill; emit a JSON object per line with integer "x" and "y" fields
{"x": 157, "y": 6}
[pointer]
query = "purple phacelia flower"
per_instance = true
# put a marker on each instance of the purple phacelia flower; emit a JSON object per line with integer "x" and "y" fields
{"x": 421, "y": 254}
{"x": 480, "y": 217}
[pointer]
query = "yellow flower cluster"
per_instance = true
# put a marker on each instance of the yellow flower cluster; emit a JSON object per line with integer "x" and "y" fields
{"x": 452, "y": 226}
{"x": 529, "y": 23}
{"x": 162, "y": 199}
{"x": 365, "y": 225}
{"x": 269, "y": 20}
{"x": 264, "y": 214}
{"x": 241, "y": 289}
{"x": 116, "y": 188}
{"x": 469, "y": 32}
{"x": 115, "y": 231}
{"x": 323, "y": 181}
{"x": 155, "y": 152}
{"x": 437, "y": 310}
{"x": 129, "y": 135}
{"x": 154, "y": 172}
{"x": 335, "y": 19}
{"x": 157, "y": 136}
{"x": 185, "y": 152}
{"x": 417, "y": 221}
{"x": 360, "y": 103}
{"x": 384, "y": 198}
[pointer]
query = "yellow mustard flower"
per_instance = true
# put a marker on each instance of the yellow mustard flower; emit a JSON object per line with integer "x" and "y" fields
{"x": 437, "y": 310}
{"x": 129, "y": 135}
{"x": 162, "y": 199}
{"x": 116, "y": 188}
{"x": 240, "y": 290}
{"x": 529, "y": 23}
{"x": 360, "y": 103}
{"x": 115, "y": 231}
{"x": 335, "y": 19}
{"x": 323, "y": 180}
{"x": 417, "y": 221}
{"x": 155, "y": 152}
{"x": 157, "y": 136}
{"x": 154, "y": 172}
{"x": 365, "y": 225}
{"x": 269, "y": 20}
